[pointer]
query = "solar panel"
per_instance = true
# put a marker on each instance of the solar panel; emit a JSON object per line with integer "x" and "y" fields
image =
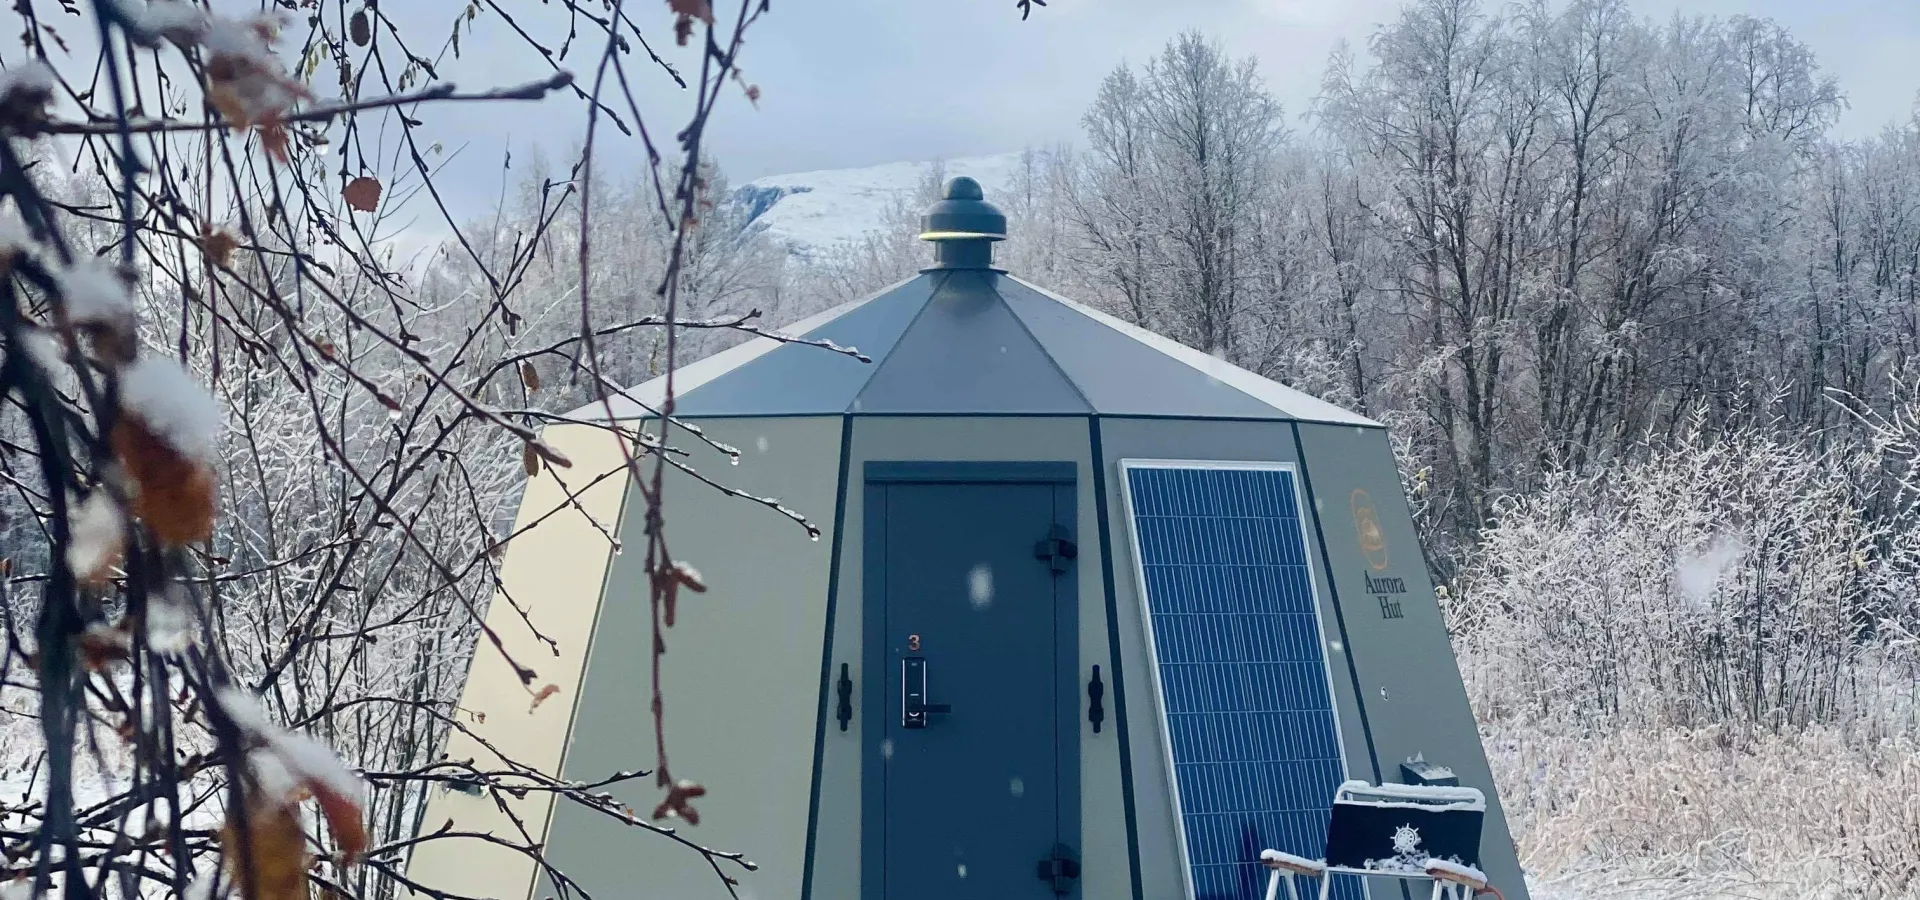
{"x": 1237, "y": 646}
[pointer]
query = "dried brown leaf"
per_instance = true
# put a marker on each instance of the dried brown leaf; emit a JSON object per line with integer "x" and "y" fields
{"x": 273, "y": 137}
{"x": 271, "y": 862}
{"x": 224, "y": 98}
{"x": 529, "y": 460}
{"x": 694, "y": 9}
{"x": 176, "y": 497}
{"x": 344, "y": 819}
{"x": 689, "y": 576}
{"x": 362, "y": 193}
{"x": 549, "y": 690}
{"x": 548, "y": 453}
{"x": 677, "y": 805}
{"x": 218, "y": 246}
{"x": 102, "y": 644}
{"x": 359, "y": 29}
{"x": 528, "y": 375}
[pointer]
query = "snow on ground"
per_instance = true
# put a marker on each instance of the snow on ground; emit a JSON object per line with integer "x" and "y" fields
{"x": 1598, "y": 885}
{"x": 808, "y": 212}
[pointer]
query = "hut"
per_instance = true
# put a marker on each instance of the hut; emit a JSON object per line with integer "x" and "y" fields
{"x": 1089, "y": 614}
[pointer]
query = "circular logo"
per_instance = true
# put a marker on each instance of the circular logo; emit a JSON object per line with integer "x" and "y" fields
{"x": 1366, "y": 526}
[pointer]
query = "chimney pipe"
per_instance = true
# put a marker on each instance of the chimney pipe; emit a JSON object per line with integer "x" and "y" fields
{"x": 962, "y": 227}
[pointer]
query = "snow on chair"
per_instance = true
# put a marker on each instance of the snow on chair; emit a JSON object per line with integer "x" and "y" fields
{"x": 1456, "y": 881}
{"x": 1287, "y": 866}
{"x": 1395, "y": 831}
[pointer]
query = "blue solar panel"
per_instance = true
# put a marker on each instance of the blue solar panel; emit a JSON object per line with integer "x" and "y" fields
{"x": 1243, "y": 679}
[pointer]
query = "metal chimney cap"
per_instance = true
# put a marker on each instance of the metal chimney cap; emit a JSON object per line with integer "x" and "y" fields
{"x": 963, "y": 215}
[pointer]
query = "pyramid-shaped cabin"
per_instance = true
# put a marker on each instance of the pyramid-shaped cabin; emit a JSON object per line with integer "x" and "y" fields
{"x": 1089, "y": 614}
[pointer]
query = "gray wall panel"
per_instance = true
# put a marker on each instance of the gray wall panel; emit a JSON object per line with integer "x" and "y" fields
{"x": 741, "y": 673}
{"x": 1103, "y": 843}
{"x": 1415, "y": 698}
{"x": 1160, "y": 865}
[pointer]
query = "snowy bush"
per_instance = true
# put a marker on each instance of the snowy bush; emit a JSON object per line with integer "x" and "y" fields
{"x": 1737, "y": 581}
{"x": 1696, "y": 670}
{"x": 1687, "y": 813}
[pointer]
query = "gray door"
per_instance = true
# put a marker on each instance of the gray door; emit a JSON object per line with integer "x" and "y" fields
{"x": 972, "y": 764}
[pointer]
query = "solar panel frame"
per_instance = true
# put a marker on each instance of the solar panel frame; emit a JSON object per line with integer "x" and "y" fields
{"x": 1142, "y": 587}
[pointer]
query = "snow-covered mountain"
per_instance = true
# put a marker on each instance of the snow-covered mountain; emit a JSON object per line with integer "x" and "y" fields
{"x": 810, "y": 212}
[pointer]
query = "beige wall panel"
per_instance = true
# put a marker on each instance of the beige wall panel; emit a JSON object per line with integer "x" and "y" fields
{"x": 554, "y": 571}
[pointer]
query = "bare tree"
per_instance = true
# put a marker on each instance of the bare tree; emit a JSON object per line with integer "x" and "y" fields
{"x": 255, "y": 481}
{"x": 1182, "y": 166}
{"x": 1112, "y": 200}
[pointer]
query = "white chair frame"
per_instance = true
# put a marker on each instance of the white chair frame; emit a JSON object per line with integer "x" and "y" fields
{"x": 1445, "y": 886}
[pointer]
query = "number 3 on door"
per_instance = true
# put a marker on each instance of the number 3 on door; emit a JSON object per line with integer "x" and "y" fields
{"x": 913, "y": 642}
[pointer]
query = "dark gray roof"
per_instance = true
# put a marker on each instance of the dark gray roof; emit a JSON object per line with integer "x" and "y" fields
{"x": 972, "y": 341}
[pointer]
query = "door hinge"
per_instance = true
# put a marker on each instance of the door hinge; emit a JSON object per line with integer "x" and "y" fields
{"x": 1059, "y": 870}
{"x": 1058, "y": 549}
{"x": 845, "y": 691}
{"x": 1096, "y": 711}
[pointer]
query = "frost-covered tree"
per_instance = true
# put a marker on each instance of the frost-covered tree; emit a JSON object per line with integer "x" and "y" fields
{"x": 254, "y": 470}
{"x": 1177, "y": 183}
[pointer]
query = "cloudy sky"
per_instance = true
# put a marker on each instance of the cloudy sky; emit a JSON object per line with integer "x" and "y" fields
{"x": 858, "y": 82}
{"x": 883, "y": 80}
{"x": 849, "y": 83}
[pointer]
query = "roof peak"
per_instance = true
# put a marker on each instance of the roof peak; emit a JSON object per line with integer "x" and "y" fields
{"x": 972, "y": 342}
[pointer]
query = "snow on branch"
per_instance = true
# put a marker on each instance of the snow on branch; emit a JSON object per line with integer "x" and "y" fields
{"x": 255, "y": 470}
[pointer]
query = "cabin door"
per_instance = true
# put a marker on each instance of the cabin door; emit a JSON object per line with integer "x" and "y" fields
{"x": 973, "y": 740}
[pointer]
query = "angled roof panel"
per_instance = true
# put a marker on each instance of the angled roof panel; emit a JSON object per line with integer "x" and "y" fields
{"x": 973, "y": 341}
{"x": 1120, "y": 375}
{"x": 967, "y": 353}
{"x": 643, "y": 400}
{"x": 1291, "y": 403}
{"x": 801, "y": 379}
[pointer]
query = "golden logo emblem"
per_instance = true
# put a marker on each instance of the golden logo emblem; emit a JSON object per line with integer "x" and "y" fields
{"x": 1366, "y": 526}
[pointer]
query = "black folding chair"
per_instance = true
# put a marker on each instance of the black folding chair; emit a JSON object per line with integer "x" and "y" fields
{"x": 1420, "y": 832}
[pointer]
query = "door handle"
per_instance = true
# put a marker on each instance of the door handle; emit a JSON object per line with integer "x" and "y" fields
{"x": 914, "y": 707}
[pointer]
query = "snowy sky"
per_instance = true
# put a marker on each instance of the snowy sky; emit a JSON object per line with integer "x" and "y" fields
{"x": 850, "y": 83}
{"x": 882, "y": 80}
